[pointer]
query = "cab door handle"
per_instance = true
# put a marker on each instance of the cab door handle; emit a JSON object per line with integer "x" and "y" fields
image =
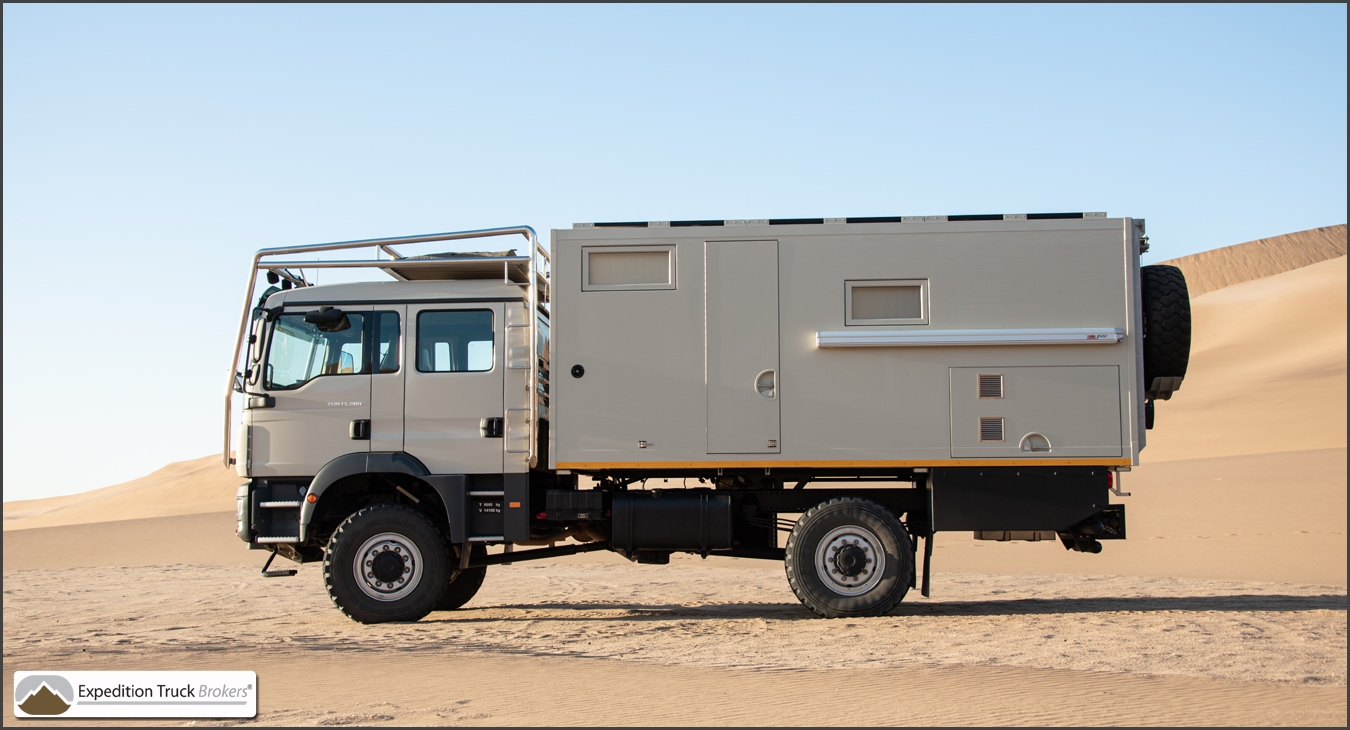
{"x": 360, "y": 429}
{"x": 490, "y": 428}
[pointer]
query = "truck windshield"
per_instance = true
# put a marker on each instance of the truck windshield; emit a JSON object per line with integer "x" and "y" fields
{"x": 299, "y": 352}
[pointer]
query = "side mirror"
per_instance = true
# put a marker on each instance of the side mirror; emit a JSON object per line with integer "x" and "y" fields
{"x": 329, "y": 319}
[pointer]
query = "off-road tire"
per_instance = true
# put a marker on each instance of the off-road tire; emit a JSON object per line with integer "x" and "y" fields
{"x": 368, "y": 524}
{"x": 1167, "y": 322}
{"x": 464, "y": 584}
{"x": 811, "y": 537}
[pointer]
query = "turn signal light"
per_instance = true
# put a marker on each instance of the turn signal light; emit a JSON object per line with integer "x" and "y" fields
{"x": 312, "y": 498}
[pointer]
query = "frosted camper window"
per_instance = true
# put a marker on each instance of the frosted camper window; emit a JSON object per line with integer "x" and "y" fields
{"x": 890, "y": 301}
{"x": 457, "y": 341}
{"x": 620, "y": 268}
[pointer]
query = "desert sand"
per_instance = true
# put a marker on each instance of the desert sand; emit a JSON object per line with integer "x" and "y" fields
{"x": 1226, "y": 605}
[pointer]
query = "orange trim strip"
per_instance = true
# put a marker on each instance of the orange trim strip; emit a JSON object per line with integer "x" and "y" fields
{"x": 835, "y": 464}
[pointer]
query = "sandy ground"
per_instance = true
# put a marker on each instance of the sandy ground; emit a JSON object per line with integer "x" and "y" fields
{"x": 1015, "y": 633}
{"x": 1226, "y": 605}
{"x": 715, "y": 643}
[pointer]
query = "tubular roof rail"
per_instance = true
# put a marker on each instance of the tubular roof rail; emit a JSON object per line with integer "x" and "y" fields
{"x": 398, "y": 266}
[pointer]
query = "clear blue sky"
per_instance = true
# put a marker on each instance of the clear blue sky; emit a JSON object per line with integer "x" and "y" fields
{"x": 149, "y": 150}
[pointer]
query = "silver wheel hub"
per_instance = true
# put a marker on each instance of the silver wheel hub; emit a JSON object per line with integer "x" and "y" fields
{"x": 387, "y": 567}
{"x": 850, "y": 560}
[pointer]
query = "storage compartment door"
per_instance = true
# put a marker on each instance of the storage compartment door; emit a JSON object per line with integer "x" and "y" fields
{"x": 1035, "y": 412}
{"x": 741, "y": 345}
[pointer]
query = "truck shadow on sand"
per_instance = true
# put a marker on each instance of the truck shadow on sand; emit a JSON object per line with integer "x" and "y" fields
{"x": 1242, "y": 603}
{"x": 627, "y": 611}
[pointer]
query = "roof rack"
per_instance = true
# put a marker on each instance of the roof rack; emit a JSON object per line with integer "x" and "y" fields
{"x": 528, "y": 271}
{"x": 824, "y": 221}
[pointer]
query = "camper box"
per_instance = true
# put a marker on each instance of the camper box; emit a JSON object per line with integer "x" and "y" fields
{"x": 847, "y": 343}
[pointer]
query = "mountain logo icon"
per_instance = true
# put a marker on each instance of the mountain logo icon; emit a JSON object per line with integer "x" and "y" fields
{"x": 43, "y": 694}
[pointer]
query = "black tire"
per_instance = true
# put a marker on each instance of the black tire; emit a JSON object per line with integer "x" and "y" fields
{"x": 1167, "y": 322}
{"x": 842, "y": 535}
{"x": 404, "y": 586}
{"x": 464, "y": 584}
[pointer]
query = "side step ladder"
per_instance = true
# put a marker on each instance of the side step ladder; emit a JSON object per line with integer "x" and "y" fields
{"x": 284, "y": 573}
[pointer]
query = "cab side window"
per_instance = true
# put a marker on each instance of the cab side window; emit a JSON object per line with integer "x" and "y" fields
{"x": 300, "y": 352}
{"x": 458, "y": 341}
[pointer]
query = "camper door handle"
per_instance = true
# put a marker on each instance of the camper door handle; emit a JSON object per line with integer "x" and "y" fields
{"x": 766, "y": 383}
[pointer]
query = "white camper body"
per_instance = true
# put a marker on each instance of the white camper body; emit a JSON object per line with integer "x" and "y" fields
{"x": 987, "y": 374}
{"x": 847, "y": 344}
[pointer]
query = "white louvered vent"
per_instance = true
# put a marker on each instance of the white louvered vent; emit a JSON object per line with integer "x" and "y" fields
{"x": 991, "y": 429}
{"x": 991, "y": 386}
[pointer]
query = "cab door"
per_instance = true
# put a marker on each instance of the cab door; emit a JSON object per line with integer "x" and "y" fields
{"x": 317, "y": 375}
{"x": 453, "y": 414}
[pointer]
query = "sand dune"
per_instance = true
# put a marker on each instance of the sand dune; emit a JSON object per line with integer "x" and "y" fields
{"x": 1267, "y": 373}
{"x": 1221, "y": 267}
{"x": 182, "y": 488}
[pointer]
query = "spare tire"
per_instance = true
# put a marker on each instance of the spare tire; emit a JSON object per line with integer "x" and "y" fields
{"x": 1167, "y": 324}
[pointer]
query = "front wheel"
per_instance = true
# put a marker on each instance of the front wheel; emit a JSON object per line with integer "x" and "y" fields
{"x": 386, "y": 563}
{"x": 849, "y": 557}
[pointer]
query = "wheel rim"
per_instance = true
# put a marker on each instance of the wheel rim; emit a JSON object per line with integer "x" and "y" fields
{"x": 850, "y": 560}
{"x": 387, "y": 567}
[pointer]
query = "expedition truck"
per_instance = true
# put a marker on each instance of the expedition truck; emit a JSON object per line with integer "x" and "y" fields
{"x": 700, "y": 387}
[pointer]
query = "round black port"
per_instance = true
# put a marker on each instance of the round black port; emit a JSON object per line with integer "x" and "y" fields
{"x": 578, "y": 371}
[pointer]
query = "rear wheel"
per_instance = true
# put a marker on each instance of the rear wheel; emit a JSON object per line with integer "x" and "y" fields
{"x": 464, "y": 584}
{"x": 849, "y": 557}
{"x": 386, "y": 563}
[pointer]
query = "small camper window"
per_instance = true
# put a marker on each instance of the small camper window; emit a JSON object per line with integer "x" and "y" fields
{"x": 610, "y": 268}
{"x": 889, "y": 301}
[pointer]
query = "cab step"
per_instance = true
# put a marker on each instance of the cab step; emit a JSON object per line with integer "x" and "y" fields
{"x": 283, "y": 573}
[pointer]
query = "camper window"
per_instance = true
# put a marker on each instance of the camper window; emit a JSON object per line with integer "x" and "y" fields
{"x": 627, "y": 268}
{"x": 889, "y": 301}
